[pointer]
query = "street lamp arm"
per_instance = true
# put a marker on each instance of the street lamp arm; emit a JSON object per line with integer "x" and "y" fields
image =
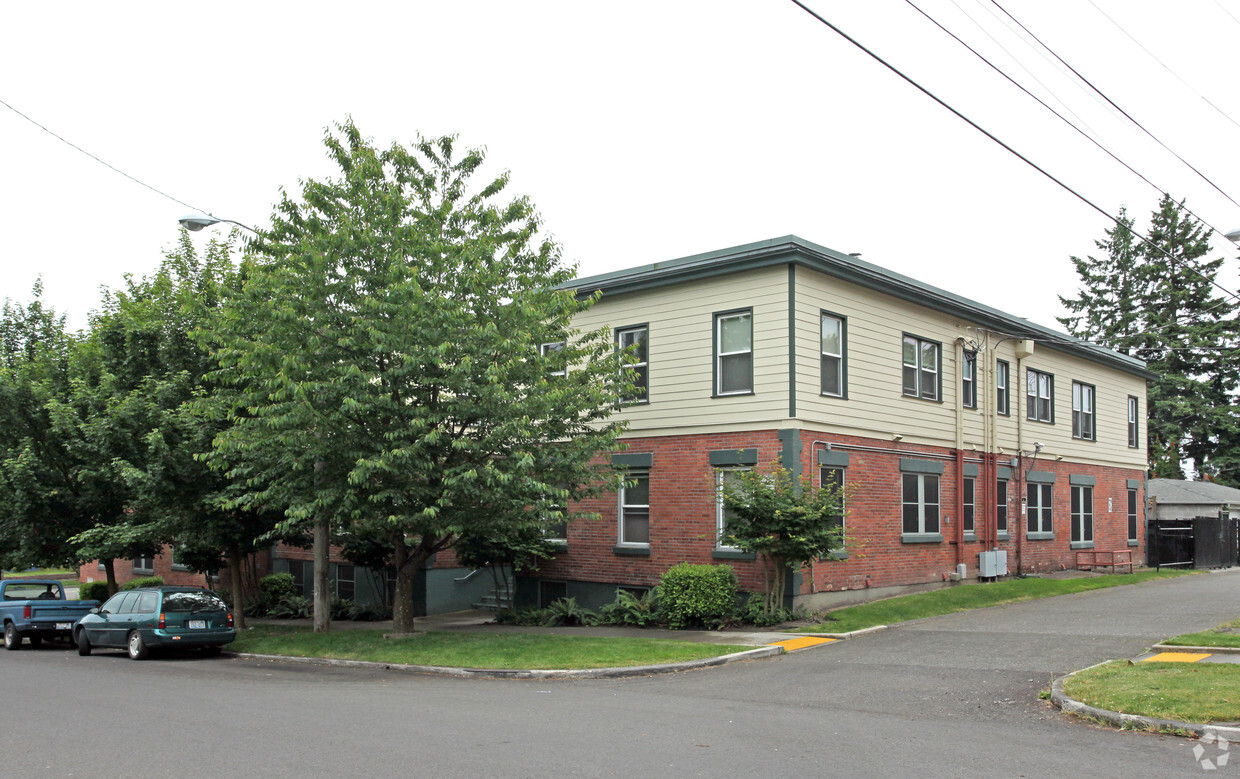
{"x": 195, "y": 222}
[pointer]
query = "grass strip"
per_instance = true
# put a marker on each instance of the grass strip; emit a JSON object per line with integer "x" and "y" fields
{"x": 970, "y": 596}
{"x": 1225, "y": 635}
{"x": 1206, "y": 693}
{"x": 500, "y": 649}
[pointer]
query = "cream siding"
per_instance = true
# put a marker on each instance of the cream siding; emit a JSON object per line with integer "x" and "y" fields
{"x": 876, "y": 406}
{"x": 681, "y": 351}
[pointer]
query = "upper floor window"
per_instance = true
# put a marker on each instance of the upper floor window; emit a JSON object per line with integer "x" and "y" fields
{"x": 1082, "y": 411}
{"x": 1002, "y": 402}
{"x": 1040, "y": 396}
{"x": 833, "y": 374}
{"x": 1132, "y": 422}
{"x": 968, "y": 380}
{"x": 921, "y": 368}
{"x": 734, "y": 353}
{"x": 550, "y": 349}
{"x": 638, "y": 367}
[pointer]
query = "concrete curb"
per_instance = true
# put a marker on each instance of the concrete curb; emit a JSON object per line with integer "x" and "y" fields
{"x": 846, "y": 636}
{"x": 496, "y": 673}
{"x": 1133, "y": 721}
{"x": 1214, "y": 650}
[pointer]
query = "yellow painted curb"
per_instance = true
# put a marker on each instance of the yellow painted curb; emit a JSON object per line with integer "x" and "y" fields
{"x": 793, "y": 644}
{"x": 1175, "y": 657}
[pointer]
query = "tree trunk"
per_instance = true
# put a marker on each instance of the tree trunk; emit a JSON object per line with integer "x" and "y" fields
{"x": 109, "y": 572}
{"x": 322, "y": 599}
{"x": 237, "y": 585}
{"x": 408, "y": 563}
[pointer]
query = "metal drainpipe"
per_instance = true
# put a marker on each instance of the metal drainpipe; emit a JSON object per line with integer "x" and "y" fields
{"x": 1022, "y": 520}
{"x": 960, "y": 454}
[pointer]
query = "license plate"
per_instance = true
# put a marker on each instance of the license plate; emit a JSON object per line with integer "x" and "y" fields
{"x": 64, "y": 625}
{"x": 197, "y": 624}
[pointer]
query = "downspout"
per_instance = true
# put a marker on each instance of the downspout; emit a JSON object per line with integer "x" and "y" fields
{"x": 1023, "y": 520}
{"x": 960, "y": 454}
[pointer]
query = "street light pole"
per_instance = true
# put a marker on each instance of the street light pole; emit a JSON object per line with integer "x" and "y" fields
{"x": 195, "y": 222}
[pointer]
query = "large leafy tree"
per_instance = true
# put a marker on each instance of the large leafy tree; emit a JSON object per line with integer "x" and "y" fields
{"x": 1157, "y": 300}
{"x": 395, "y": 360}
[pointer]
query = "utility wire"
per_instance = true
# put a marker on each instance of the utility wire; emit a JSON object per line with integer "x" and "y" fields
{"x": 1114, "y": 105}
{"x": 1165, "y": 67}
{"x": 101, "y": 162}
{"x": 1048, "y": 107}
{"x": 1009, "y": 149}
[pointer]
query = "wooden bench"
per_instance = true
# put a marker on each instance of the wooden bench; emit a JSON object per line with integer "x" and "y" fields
{"x": 1090, "y": 559}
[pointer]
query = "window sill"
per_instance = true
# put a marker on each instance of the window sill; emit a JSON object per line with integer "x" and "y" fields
{"x": 1040, "y": 536}
{"x": 1081, "y": 545}
{"x": 745, "y": 394}
{"x": 833, "y": 395}
{"x": 1086, "y": 440}
{"x": 1039, "y": 421}
{"x": 1001, "y": 536}
{"x": 624, "y": 550}
{"x": 970, "y": 537}
{"x": 921, "y": 538}
{"x": 179, "y": 567}
{"x": 144, "y": 571}
{"x": 627, "y": 403}
{"x": 557, "y": 545}
{"x": 919, "y": 397}
{"x": 732, "y": 554}
{"x": 835, "y": 554}
{"x": 1134, "y": 543}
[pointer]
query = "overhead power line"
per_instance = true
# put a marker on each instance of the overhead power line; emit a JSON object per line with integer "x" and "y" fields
{"x": 1005, "y": 146}
{"x": 101, "y": 162}
{"x": 1115, "y": 105}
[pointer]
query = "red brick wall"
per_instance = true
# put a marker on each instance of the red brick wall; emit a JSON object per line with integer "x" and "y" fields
{"x": 162, "y": 567}
{"x": 682, "y": 517}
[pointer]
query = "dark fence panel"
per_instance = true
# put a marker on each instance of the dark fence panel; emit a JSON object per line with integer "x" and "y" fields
{"x": 1169, "y": 543}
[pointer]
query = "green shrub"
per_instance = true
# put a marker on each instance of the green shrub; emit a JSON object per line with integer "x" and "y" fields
{"x": 629, "y": 609}
{"x": 277, "y": 586}
{"x": 93, "y": 591}
{"x": 697, "y": 595}
{"x": 566, "y": 612}
{"x": 755, "y": 612}
{"x": 143, "y": 581}
{"x": 292, "y": 607}
{"x": 525, "y": 617}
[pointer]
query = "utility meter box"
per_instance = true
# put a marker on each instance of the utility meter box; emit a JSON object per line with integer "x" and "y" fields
{"x": 991, "y": 564}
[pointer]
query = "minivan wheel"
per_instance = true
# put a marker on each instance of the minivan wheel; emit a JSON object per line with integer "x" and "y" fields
{"x": 137, "y": 649}
{"x": 83, "y": 643}
{"x": 210, "y": 651}
{"x": 12, "y": 639}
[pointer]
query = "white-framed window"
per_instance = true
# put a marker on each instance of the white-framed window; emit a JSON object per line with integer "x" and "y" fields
{"x": 968, "y": 506}
{"x": 1001, "y": 506}
{"x": 638, "y": 370}
{"x": 346, "y": 581}
{"x": 723, "y": 477}
{"x": 1133, "y": 425}
{"x": 1039, "y": 396}
{"x": 1082, "y": 411}
{"x": 734, "y": 353}
{"x": 921, "y": 368}
{"x": 968, "y": 380}
{"x": 920, "y": 503}
{"x": 145, "y": 564}
{"x": 1039, "y": 509}
{"x": 557, "y": 530}
{"x": 551, "y": 348}
{"x": 1002, "y": 398}
{"x": 177, "y": 565}
{"x": 1132, "y": 516}
{"x": 834, "y": 329}
{"x": 1082, "y": 514}
{"x": 635, "y": 509}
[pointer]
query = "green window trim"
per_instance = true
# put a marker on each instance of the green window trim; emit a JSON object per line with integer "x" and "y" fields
{"x": 641, "y": 344}
{"x": 833, "y": 374}
{"x": 1042, "y": 409}
{"x": 1003, "y": 388}
{"x": 726, "y": 457}
{"x": 917, "y": 372}
{"x": 740, "y": 359}
{"x": 913, "y": 465}
{"x": 1084, "y": 411}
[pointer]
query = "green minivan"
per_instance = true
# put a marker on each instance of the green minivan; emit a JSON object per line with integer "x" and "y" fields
{"x": 149, "y": 618}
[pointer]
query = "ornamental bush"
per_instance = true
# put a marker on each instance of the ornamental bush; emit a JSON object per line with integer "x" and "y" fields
{"x": 697, "y": 595}
{"x": 93, "y": 591}
{"x": 144, "y": 581}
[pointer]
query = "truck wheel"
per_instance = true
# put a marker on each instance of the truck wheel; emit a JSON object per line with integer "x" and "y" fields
{"x": 12, "y": 639}
{"x": 83, "y": 643}
{"x": 137, "y": 649}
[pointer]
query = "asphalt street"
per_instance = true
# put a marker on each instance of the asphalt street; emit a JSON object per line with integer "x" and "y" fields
{"x": 949, "y": 696}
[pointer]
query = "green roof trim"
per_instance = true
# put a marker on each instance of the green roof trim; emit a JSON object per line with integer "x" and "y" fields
{"x": 791, "y": 249}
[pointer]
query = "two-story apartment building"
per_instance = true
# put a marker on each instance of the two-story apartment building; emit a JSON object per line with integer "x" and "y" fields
{"x": 956, "y": 430}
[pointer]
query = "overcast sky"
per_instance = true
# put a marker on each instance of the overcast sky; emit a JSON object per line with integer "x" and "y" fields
{"x": 643, "y": 131}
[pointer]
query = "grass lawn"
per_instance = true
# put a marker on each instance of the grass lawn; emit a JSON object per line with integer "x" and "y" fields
{"x": 42, "y": 573}
{"x": 1189, "y": 692}
{"x": 970, "y": 596}
{"x": 1226, "y": 635}
{"x": 483, "y": 649}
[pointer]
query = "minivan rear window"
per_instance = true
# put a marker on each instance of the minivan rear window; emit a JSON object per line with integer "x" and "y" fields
{"x": 181, "y": 602}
